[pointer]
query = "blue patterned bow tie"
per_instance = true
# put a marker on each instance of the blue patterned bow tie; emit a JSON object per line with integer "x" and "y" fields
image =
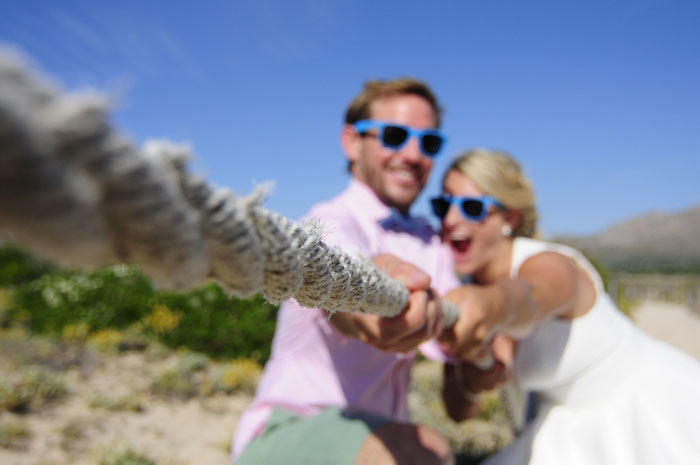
{"x": 400, "y": 223}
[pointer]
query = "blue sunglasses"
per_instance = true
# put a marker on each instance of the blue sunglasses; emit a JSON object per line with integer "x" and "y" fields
{"x": 394, "y": 136}
{"x": 474, "y": 209}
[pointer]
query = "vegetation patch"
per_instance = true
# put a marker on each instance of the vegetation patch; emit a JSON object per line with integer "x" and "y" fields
{"x": 14, "y": 434}
{"x": 123, "y": 456}
{"x": 471, "y": 439}
{"x": 117, "y": 307}
{"x": 236, "y": 376}
{"x": 30, "y": 388}
{"x": 128, "y": 403}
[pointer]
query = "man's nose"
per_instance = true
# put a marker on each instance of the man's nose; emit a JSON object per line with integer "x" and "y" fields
{"x": 411, "y": 150}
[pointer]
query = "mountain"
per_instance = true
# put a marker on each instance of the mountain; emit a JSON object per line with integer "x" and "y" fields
{"x": 657, "y": 241}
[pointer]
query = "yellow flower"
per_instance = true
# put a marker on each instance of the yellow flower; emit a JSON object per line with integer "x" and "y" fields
{"x": 76, "y": 331}
{"x": 239, "y": 374}
{"x": 162, "y": 319}
{"x": 107, "y": 338}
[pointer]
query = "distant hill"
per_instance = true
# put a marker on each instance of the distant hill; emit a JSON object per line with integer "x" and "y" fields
{"x": 657, "y": 241}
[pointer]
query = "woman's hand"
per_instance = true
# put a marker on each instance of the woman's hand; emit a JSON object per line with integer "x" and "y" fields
{"x": 470, "y": 337}
{"x": 464, "y": 382}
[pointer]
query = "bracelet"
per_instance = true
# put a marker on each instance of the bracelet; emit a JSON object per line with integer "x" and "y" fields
{"x": 461, "y": 385}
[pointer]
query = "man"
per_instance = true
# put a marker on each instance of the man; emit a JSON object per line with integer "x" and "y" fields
{"x": 334, "y": 389}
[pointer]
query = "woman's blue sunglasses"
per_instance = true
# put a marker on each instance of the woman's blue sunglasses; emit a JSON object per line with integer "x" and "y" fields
{"x": 394, "y": 136}
{"x": 474, "y": 209}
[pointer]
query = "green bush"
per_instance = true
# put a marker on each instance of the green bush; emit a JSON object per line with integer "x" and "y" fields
{"x": 218, "y": 325}
{"x": 48, "y": 300}
{"x": 604, "y": 272}
{"x": 17, "y": 267}
{"x": 111, "y": 297}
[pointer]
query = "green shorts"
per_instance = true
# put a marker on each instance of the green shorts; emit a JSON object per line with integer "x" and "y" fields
{"x": 333, "y": 436}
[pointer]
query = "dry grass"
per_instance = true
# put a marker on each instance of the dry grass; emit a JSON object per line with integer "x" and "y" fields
{"x": 14, "y": 435}
{"x": 87, "y": 401}
{"x": 472, "y": 438}
{"x": 91, "y": 395}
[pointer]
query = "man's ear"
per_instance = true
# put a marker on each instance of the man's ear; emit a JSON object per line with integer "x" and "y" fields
{"x": 350, "y": 140}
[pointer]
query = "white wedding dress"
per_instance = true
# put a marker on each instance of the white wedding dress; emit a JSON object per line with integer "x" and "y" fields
{"x": 607, "y": 393}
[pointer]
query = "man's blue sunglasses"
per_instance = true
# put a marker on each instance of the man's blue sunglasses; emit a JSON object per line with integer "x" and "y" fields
{"x": 394, "y": 136}
{"x": 474, "y": 209}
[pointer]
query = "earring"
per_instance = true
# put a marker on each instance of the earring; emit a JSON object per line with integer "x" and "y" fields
{"x": 506, "y": 230}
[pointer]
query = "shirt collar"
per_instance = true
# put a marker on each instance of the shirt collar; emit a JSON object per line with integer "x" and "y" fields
{"x": 390, "y": 219}
{"x": 364, "y": 196}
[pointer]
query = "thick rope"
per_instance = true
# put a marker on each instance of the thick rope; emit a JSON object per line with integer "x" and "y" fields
{"x": 76, "y": 191}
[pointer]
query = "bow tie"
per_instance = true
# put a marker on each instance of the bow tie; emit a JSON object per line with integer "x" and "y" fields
{"x": 400, "y": 223}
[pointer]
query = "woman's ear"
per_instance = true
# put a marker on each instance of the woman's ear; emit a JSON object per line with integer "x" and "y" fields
{"x": 513, "y": 218}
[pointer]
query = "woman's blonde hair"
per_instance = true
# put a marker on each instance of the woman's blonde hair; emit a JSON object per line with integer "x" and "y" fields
{"x": 499, "y": 175}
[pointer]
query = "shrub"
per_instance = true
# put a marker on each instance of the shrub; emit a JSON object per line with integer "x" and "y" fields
{"x": 50, "y": 300}
{"x": 176, "y": 382}
{"x": 219, "y": 325}
{"x": 112, "y": 297}
{"x": 18, "y": 267}
{"x": 185, "y": 379}
{"x": 237, "y": 375}
{"x": 33, "y": 387}
{"x": 20, "y": 348}
{"x": 130, "y": 403}
{"x": 107, "y": 339}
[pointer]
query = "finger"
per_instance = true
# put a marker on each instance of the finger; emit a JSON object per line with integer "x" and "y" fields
{"x": 409, "y": 322}
{"x": 367, "y": 328}
{"x": 409, "y": 275}
{"x": 504, "y": 349}
{"x": 436, "y": 316}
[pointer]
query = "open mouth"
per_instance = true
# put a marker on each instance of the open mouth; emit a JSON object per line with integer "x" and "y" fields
{"x": 461, "y": 245}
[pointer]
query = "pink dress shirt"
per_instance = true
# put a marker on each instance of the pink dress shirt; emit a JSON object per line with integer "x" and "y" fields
{"x": 313, "y": 365}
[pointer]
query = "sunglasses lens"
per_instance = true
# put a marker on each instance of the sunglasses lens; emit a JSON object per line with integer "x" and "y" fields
{"x": 473, "y": 208}
{"x": 432, "y": 144}
{"x": 440, "y": 206}
{"x": 394, "y": 136}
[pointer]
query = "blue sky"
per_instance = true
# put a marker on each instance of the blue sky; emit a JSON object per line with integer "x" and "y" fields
{"x": 599, "y": 99}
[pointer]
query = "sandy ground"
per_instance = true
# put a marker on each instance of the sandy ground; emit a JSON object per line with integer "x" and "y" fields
{"x": 166, "y": 431}
{"x": 196, "y": 431}
{"x": 672, "y": 323}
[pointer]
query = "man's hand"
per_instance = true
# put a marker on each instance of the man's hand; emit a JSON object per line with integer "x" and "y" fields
{"x": 421, "y": 320}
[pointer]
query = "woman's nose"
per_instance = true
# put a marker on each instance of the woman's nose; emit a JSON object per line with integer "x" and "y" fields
{"x": 453, "y": 216}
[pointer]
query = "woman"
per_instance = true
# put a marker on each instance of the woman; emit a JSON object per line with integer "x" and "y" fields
{"x": 607, "y": 393}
